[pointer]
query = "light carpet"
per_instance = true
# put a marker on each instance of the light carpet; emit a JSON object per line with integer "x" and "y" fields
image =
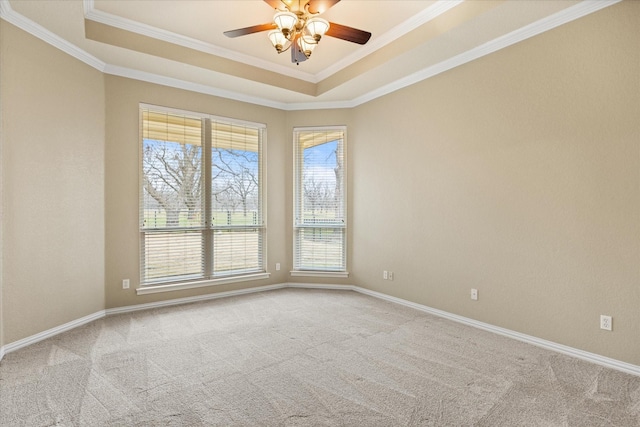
{"x": 303, "y": 357}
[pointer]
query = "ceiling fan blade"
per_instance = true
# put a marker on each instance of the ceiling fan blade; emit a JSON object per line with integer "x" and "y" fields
{"x": 276, "y": 4}
{"x": 250, "y": 30}
{"x": 348, "y": 33}
{"x": 320, "y": 6}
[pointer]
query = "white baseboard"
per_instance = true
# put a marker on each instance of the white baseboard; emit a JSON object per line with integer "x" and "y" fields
{"x": 166, "y": 303}
{"x": 549, "y": 345}
{"x": 320, "y": 286}
{"x": 187, "y": 300}
{"x": 16, "y": 345}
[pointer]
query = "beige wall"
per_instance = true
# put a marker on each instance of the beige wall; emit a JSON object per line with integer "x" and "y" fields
{"x": 53, "y": 186}
{"x": 122, "y": 183}
{"x": 517, "y": 174}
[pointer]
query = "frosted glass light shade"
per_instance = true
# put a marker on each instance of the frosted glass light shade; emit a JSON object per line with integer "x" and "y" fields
{"x": 278, "y": 40}
{"x": 317, "y": 27}
{"x": 286, "y": 22}
{"x": 307, "y": 44}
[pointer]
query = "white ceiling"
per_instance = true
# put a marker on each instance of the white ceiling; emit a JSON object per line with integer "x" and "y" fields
{"x": 180, "y": 43}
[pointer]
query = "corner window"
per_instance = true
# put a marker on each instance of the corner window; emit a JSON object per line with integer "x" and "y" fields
{"x": 201, "y": 197}
{"x": 320, "y": 200}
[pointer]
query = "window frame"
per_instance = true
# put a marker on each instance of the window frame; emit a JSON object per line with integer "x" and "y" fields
{"x": 300, "y": 224}
{"x": 207, "y": 227}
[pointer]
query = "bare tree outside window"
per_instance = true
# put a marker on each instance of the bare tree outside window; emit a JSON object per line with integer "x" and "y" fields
{"x": 178, "y": 242}
{"x": 322, "y": 175}
{"x": 319, "y": 200}
{"x": 172, "y": 175}
{"x": 235, "y": 178}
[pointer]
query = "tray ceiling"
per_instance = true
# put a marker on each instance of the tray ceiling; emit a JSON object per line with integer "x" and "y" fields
{"x": 180, "y": 43}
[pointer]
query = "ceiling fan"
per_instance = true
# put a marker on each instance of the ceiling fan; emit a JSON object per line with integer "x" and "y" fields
{"x": 298, "y": 27}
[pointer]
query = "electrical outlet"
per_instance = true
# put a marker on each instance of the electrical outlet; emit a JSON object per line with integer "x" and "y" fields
{"x": 606, "y": 322}
{"x": 474, "y": 294}
{"x": 277, "y": 266}
{"x": 125, "y": 284}
{"x": 391, "y": 275}
{"x": 385, "y": 275}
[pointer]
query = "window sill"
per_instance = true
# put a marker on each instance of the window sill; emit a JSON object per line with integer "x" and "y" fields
{"x": 303, "y": 273}
{"x": 154, "y": 289}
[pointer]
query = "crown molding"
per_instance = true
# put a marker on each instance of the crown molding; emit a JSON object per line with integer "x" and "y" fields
{"x": 433, "y": 11}
{"x": 5, "y": 8}
{"x": 437, "y": 9}
{"x": 145, "y": 76}
{"x": 572, "y": 13}
{"x": 190, "y": 86}
{"x": 20, "y": 21}
{"x": 319, "y": 105}
{"x": 93, "y": 14}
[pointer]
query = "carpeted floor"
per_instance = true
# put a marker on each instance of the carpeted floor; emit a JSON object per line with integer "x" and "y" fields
{"x": 303, "y": 357}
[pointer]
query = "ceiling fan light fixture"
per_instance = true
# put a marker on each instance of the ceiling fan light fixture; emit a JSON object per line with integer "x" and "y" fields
{"x": 317, "y": 27}
{"x": 299, "y": 28}
{"x": 278, "y": 40}
{"x": 286, "y": 22}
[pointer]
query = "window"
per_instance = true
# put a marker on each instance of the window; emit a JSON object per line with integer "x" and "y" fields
{"x": 201, "y": 204}
{"x": 320, "y": 200}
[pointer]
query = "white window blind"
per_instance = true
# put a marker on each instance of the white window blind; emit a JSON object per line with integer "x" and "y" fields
{"x": 201, "y": 197}
{"x": 320, "y": 199}
{"x": 236, "y": 170}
